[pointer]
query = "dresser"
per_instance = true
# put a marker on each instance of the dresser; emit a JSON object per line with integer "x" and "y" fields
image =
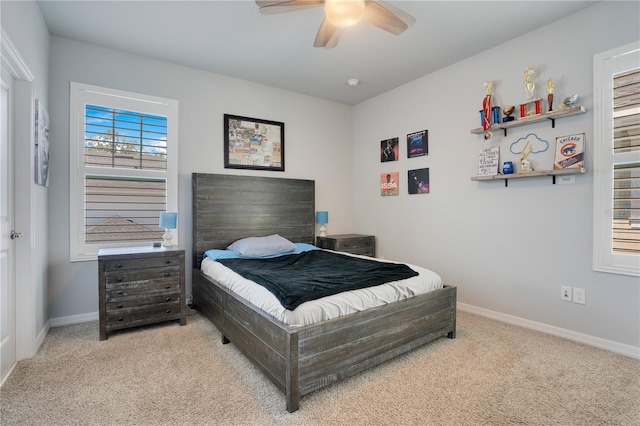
{"x": 139, "y": 286}
{"x": 350, "y": 243}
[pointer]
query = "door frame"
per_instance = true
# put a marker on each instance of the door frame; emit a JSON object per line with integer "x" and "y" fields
{"x": 24, "y": 99}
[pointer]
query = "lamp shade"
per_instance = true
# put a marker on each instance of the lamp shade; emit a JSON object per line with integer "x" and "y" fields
{"x": 168, "y": 220}
{"x": 322, "y": 217}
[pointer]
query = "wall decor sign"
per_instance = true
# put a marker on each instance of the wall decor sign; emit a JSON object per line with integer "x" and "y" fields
{"x": 418, "y": 181}
{"x": 418, "y": 144}
{"x": 488, "y": 161}
{"x": 389, "y": 183}
{"x": 42, "y": 145}
{"x": 389, "y": 150}
{"x": 525, "y": 146}
{"x": 252, "y": 143}
{"x": 569, "y": 152}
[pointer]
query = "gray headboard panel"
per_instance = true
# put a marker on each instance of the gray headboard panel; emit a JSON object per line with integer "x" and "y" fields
{"x": 227, "y": 208}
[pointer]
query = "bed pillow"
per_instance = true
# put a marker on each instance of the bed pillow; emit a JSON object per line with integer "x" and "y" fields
{"x": 262, "y": 246}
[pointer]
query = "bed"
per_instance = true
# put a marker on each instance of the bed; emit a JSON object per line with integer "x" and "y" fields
{"x": 298, "y": 360}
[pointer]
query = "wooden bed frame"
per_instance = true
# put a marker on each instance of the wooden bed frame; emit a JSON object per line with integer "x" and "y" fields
{"x": 298, "y": 360}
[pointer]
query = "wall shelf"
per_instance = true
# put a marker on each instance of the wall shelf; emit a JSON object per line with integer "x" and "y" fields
{"x": 553, "y": 115}
{"x": 535, "y": 173}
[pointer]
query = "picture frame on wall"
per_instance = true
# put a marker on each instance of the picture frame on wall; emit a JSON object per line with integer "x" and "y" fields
{"x": 389, "y": 183}
{"x": 389, "y": 150}
{"x": 253, "y": 143}
{"x": 569, "y": 152}
{"x": 418, "y": 181}
{"x": 418, "y": 144}
{"x": 41, "y": 136}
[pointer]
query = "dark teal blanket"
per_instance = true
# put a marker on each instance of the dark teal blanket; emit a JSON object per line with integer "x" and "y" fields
{"x": 298, "y": 278}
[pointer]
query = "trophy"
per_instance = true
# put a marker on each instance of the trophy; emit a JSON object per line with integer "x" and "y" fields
{"x": 532, "y": 106}
{"x": 486, "y": 109}
{"x": 529, "y": 86}
{"x": 508, "y": 110}
{"x": 524, "y": 163}
{"x": 550, "y": 86}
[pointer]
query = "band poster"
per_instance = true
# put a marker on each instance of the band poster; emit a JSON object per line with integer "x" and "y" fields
{"x": 418, "y": 181}
{"x": 389, "y": 150}
{"x": 389, "y": 183}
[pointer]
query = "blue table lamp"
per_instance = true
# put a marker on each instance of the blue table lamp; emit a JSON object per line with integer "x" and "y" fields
{"x": 322, "y": 218}
{"x": 168, "y": 222}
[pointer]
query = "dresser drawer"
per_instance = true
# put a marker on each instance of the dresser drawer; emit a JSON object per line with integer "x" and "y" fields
{"x": 141, "y": 263}
{"x": 133, "y": 317}
{"x": 130, "y": 275}
{"x": 364, "y": 251}
{"x": 365, "y": 243}
{"x": 350, "y": 243}
{"x": 141, "y": 301}
{"x": 141, "y": 288}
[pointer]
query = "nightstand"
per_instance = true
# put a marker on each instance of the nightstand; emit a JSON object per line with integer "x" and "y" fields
{"x": 139, "y": 286}
{"x": 350, "y": 243}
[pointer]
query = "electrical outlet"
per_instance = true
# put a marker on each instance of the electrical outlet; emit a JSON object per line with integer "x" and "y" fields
{"x": 565, "y": 293}
{"x": 579, "y": 296}
{"x": 565, "y": 180}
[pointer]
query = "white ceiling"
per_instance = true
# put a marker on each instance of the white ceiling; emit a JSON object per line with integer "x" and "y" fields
{"x": 233, "y": 38}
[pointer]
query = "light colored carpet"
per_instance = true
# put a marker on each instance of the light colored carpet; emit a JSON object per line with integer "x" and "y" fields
{"x": 492, "y": 374}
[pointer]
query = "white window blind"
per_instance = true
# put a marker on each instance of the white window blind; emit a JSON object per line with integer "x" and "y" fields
{"x": 121, "y": 208}
{"x": 124, "y": 148}
{"x": 626, "y": 176}
{"x": 617, "y": 160}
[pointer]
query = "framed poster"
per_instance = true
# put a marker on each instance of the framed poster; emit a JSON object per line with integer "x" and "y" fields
{"x": 418, "y": 144}
{"x": 418, "y": 181}
{"x": 252, "y": 143}
{"x": 569, "y": 152}
{"x": 389, "y": 150}
{"x": 389, "y": 183}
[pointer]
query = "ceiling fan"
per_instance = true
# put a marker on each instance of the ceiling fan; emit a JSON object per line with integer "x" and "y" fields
{"x": 343, "y": 13}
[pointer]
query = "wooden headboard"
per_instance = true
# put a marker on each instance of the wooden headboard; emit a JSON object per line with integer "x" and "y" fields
{"x": 227, "y": 208}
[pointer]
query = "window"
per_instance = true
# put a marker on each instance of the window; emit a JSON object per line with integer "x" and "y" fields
{"x": 123, "y": 168}
{"x": 617, "y": 161}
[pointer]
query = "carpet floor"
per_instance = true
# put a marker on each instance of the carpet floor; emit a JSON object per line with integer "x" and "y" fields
{"x": 492, "y": 374}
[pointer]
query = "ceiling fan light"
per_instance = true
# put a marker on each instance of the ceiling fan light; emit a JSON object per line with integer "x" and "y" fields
{"x": 343, "y": 13}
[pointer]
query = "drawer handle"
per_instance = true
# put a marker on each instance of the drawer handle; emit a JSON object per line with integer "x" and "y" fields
{"x": 167, "y": 274}
{"x": 168, "y": 286}
{"x": 119, "y": 306}
{"x": 120, "y": 292}
{"x": 168, "y": 311}
{"x": 119, "y": 318}
{"x": 167, "y": 299}
{"x": 167, "y": 262}
{"x": 119, "y": 279}
{"x": 119, "y": 265}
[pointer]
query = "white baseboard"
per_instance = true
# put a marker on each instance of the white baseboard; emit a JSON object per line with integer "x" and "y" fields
{"x": 609, "y": 345}
{"x": 40, "y": 337}
{"x": 73, "y": 319}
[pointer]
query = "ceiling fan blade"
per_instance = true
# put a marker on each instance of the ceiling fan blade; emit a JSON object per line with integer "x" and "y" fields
{"x": 268, "y": 7}
{"x": 328, "y": 35}
{"x": 387, "y": 17}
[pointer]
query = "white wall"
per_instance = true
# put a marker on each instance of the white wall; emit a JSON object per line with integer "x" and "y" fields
{"x": 22, "y": 22}
{"x": 507, "y": 250}
{"x": 317, "y": 146}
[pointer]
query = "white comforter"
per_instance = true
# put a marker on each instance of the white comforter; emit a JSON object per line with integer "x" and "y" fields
{"x": 327, "y": 307}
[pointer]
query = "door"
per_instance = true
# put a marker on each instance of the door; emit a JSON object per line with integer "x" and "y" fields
{"x": 7, "y": 249}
